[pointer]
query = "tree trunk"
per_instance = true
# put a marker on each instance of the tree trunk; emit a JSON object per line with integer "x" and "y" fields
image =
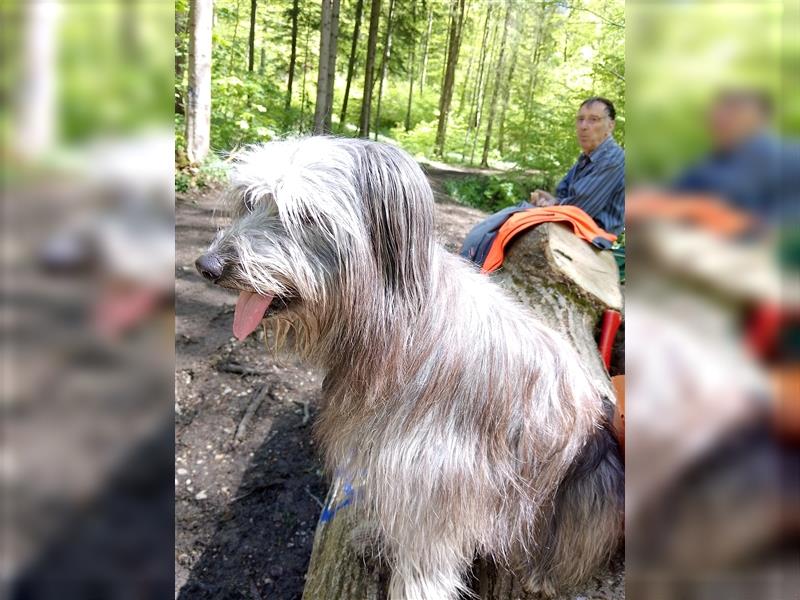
{"x": 387, "y": 54}
{"x": 476, "y": 96}
{"x": 543, "y": 25}
{"x": 372, "y": 41}
{"x": 235, "y": 33}
{"x": 447, "y": 43}
{"x": 352, "y": 62}
{"x": 498, "y": 80}
{"x": 482, "y": 91}
{"x": 329, "y": 29}
{"x": 305, "y": 72}
{"x": 332, "y": 55}
{"x": 198, "y": 115}
{"x": 181, "y": 21}
{"x": 324, "y": 64}
{"x": 293, "y": 56}
{"x": 567, "y": 284}
{"x": 36, "y": 108}
{"x": 507, "y": 89}
{"x": 425, "y": 50}
{"x": 456, "y": 25}
{"x": 411, "y": 70}
{"x": 251, "y": 40}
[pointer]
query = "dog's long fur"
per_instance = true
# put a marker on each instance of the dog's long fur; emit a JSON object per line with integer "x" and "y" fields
{"x": 473, "y": 427}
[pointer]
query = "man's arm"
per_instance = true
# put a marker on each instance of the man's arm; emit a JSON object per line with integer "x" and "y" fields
{"x": 544, "y": 198}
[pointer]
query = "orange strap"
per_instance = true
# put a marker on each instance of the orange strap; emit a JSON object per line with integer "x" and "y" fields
{"x": 583, "y": 225}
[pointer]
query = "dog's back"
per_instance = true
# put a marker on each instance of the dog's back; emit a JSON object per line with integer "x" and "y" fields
{"x": 488, "y": 437}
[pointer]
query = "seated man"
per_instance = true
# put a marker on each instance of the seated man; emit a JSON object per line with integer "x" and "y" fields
{"x": 749, "y": 167}
{"x": 596, "y": 183}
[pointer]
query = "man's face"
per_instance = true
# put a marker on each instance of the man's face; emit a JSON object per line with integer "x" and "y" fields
{"x": 733, "y": 120}
{"x": 593, "y": 125}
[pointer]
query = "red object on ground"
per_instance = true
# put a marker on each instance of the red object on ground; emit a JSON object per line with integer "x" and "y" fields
{"x": 583, "y": 225}
{"x": 608, "y": 331}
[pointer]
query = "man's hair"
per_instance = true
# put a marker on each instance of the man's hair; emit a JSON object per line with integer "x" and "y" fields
{"x": 612, "y": 112}
{"x": 760, "y": 98}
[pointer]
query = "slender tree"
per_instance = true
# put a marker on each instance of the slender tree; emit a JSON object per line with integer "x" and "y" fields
{"x": 251, "y": 40}
{"x": 295, "y": 14}
{"x": 366, "y": 101}
{"x": 425, "y": 49}
{"x": 467, "y": 77}
{"x": 476, "y": 95}
{"x": 329, "y": 29}
{"x": 181, "y": 27}
{"x": 411, "y": 70}
{"x": 456, "y": 25}
{"x": 543, "y": 20}
{"x": 483, "y": 89}
{"x": 507, "y": 88}
{"x": 352, "y": 62}
{"x": 305, "y": 72}
{"x": 332, "y": 54}
{"x": 387, "y": 54}
{"x": 497, "y": 85}
{"x": 235, "y": 33}
{"x": 37, "y": 114}
{"x": 198, "y": 115}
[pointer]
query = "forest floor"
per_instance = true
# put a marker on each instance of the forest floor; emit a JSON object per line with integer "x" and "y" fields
{"x": 249, "y": 481}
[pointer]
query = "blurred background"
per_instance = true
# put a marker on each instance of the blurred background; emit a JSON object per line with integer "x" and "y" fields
{"x": 88, "y": 243}
{"x": 712, "y": 313}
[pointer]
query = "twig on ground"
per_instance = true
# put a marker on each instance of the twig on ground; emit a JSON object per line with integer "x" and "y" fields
{"x": 255, "y": 403}
{"x": 237, "y": 369}
{"x": 317, "y": 500}
{"x": 306, "y": 413}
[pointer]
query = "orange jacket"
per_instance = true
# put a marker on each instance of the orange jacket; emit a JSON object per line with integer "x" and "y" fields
{"x": 583, "y": 225}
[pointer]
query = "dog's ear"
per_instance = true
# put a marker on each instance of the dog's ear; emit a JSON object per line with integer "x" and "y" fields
{"x": 398, "y": 206}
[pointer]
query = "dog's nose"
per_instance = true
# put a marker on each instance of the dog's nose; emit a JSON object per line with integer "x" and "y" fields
{"x": 209, "y": 266}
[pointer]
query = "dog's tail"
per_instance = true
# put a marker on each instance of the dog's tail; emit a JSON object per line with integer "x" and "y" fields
{"x": 585, "y": 526}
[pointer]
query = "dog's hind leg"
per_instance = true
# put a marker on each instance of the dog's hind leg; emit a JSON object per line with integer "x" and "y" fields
{"x": 585, "y": 526}
{"x": 437, "y": 573}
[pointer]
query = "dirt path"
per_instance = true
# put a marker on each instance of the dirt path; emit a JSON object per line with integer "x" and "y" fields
{"x": 248, "y": 477}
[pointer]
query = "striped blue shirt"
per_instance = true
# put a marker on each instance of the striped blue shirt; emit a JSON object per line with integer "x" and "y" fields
{"x": 596, "y": 184}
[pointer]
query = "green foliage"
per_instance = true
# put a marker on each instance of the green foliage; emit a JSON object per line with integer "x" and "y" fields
{"x": 563, "y": 52}
{"x": 491, "y": 193}
{"x": 115, "y": 68}
{"x": 209, "y": 173}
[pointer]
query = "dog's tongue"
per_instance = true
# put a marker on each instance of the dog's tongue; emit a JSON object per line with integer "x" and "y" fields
{"x": 250, "y": 309}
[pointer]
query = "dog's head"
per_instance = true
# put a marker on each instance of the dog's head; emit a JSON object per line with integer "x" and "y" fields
{"x": 321, "y": 228}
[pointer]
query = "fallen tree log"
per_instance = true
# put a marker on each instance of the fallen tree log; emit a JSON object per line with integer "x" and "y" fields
{"x": 567, "y": 284}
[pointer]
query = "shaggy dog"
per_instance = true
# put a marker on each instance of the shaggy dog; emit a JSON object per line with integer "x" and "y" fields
{"x": 473, "y": 427}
